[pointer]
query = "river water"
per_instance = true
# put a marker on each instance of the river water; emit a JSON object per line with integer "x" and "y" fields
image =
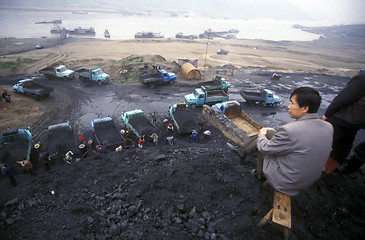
{"x": 21, "y": 24}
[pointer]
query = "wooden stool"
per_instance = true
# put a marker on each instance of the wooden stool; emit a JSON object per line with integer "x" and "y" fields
{"x": 280, "y": 213}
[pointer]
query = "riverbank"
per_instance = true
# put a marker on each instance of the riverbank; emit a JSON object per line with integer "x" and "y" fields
{"x": 331, "y": 54}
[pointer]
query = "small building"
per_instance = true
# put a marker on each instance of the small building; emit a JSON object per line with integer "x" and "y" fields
{"x": 190, "y": 72}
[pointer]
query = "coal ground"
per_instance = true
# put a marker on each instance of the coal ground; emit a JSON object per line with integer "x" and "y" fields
{"x": 184, "y": 191}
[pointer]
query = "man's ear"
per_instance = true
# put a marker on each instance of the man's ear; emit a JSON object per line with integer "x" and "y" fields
{"x": 305, "y": 109}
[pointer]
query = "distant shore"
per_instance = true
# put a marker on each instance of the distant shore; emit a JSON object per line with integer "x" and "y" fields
{"x": 332, "y": 56}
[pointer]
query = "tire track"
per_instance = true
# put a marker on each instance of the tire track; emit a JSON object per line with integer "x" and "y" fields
{"x": 46, "y": 61}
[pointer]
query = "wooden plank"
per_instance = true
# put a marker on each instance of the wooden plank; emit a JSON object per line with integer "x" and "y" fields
{"x": 282, "y": 209}
{"x": 265, "y": 219}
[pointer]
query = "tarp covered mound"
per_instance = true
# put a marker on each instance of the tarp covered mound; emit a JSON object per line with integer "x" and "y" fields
{"x": 190, "y": 72}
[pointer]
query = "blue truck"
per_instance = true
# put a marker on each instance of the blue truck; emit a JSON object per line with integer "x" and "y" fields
{"x": 95, "y": 74}
{"x": 202, "y": 96}
{"x": 106, "y": 132}
{"x": 183, "y": 120}
{"x": 136, "y": 121}
{"x": 15, "y": 144}
{"x": 222, "y": 52}
{"x": 160, "y": 77}
{"x": 218, "y": 83}
{"x": 265, "y": 96}
{"x": 30, "y": 87}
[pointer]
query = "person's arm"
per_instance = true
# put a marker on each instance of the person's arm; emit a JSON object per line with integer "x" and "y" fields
{"x": 353, "y": 91}
{"x": 279, "y": 144}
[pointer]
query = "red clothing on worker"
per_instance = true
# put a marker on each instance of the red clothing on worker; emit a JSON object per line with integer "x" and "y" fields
{"x": 140, "y": 142}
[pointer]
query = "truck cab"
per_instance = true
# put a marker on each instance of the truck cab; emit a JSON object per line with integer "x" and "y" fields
{"x": 270, "y": 97}
{"x": 62, "y": 71}
{"x": 167, "y": 76}
{"x": 221, "y": 107}
{"x": 195, "y": 99}
{"x": 98, "y": 75}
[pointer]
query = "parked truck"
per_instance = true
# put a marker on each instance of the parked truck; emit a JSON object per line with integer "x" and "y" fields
{"x": 15, "y": 144}
{"x": 232, "y": 110}
{"x": 95, "y": 74}
{"x": 183, "y": 120}
{"x": 106, "y": 132}
{"x": 59, "y": 71}
{"x": 161, "y": 76}
{"x": 30, "y": 87}
{"x": 137, "y": 122}
{"x": 231, "y": 120}
{"x": 61, "y": 139}
{"x": 202, "y": 96}
{"x": 222, "y": 52}
{"x": 218, "y": 83}
{"x": 265, "y": 96}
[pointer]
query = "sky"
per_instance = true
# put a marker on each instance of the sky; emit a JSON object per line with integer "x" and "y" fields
{"x": 345, "y": 11}
{"x": 332, "y": 11}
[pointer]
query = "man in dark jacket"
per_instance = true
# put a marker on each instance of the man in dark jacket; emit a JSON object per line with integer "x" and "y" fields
{"x": 346, "y": 113}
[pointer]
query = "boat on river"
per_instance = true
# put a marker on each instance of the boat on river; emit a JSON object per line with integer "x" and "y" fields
{"x": 148, "y": 35}
{"x": 82, "y": 31}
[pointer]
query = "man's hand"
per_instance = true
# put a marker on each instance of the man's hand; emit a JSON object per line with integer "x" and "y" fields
{"x": 264, "y": 130}
{"x": 324, "y": 117}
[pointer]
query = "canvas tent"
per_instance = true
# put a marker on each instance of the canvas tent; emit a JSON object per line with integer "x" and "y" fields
{"x": 190, "y": 72}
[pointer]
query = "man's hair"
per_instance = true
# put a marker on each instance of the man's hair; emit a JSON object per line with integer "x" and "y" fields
{"x": 307, "y": 97}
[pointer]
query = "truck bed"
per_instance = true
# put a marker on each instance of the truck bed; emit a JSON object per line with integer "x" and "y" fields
{"x": 243, "y": 121}
{"x": 185, "y": 120}
{"x": 107, "y": 134}
{"x": 252, "y": 96}
{"x": 48, "y": 70}
{"x": 14, "y": 151}
{"x": 143, "y": 126}
{"x": 207, "y": 85}
{"x": 151, "y": 79}
{"x": 83, "y": 71}
{"x": 215, "y": 94}
{"x": 60, "y": 141}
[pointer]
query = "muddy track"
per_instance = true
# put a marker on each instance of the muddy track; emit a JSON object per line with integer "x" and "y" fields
{"x": 47, "y": 61}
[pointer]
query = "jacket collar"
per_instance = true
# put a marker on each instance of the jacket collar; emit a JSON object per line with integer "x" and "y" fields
{"x": 308, "y": 116}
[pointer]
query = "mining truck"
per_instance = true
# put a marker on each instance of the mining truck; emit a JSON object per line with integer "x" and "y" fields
{"x": 30, "y": 87}
{"x": 95, "y": 74}
{"x": 15, "y": 144}
{"x": 265, "y": 96}
{"x": 61, "y": 139}
{"x": 233, "y": 122}
{"x": 218, "y": 83}
{"x": 161, "y": 76}
{"x": 59, "y": 71}
{"x": 180, "y": 114}
{"x": 106, "y": 132}
{"x": 202, "y": 96}
{"x": 137, "y": 122}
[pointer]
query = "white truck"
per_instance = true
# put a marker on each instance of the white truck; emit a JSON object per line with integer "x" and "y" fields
{"x": 58, "y": 71}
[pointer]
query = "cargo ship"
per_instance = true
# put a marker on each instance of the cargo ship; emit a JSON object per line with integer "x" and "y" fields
{"x": 82, "y": 31}
{"x": 148, "y": 35}
{"x": 59, "y": 21}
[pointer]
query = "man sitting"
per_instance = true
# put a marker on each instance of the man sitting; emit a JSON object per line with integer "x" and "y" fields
{"x": 293, "y": 157}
